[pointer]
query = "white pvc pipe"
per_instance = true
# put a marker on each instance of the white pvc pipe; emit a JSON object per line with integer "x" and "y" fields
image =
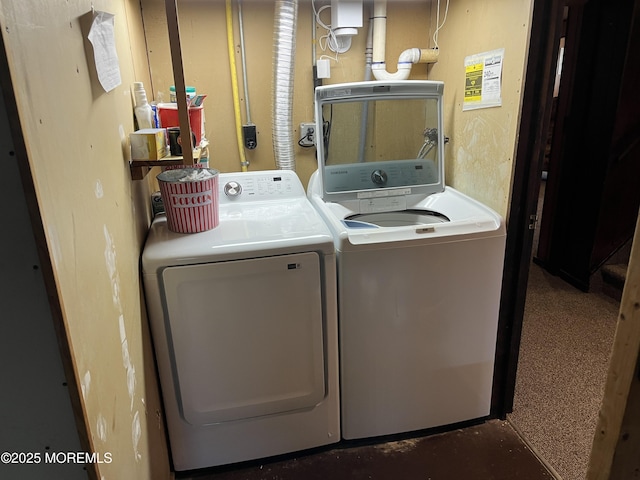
{"x": 379, "y": 30}
{"x": 405, "y": 62}
{"x": 406, "y": 59}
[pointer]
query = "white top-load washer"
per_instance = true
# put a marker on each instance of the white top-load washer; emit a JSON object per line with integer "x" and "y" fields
{"x": 419, "y": 264}
{"x": 244, "y": 324}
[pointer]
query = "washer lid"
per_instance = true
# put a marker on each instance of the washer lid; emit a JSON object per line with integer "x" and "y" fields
{"x": 380, "y": 139}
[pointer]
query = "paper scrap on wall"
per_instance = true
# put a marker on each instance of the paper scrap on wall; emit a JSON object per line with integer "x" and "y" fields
{"x": 102, "y": 37}
{"x": 483, "y": 80}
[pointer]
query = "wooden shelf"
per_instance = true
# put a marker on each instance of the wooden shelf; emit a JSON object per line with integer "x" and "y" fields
{"x": 140, "y": 168}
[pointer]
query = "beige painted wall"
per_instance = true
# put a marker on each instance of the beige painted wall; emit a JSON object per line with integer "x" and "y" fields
{"x": 479, "y": 158}
{"x": 206, "y": 65}
{"x": 94, "y": 215}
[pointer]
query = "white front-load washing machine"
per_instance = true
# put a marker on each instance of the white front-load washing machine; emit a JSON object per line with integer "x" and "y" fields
{"x": 244, "y": 325}
{"x": 419, "y": 264}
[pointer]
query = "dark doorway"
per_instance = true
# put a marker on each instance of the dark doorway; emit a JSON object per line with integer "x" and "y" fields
{"x": 592, "y": 195}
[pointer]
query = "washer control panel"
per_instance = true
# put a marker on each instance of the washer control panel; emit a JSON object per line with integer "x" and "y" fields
{"x": 366, "y": 176}
{"x": 259, "y": 186}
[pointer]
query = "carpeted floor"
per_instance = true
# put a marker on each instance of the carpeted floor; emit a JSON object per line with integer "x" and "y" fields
{"x": 566, "y": 343}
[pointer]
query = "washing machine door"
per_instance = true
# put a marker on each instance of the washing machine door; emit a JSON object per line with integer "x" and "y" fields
{"x": 246, "y": 337}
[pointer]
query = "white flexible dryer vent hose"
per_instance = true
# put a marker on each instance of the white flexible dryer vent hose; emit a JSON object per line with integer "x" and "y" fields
{"x": 284, "y": 49}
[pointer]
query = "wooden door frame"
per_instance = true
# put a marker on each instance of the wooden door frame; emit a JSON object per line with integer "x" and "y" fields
{"x": 546, "y": 28}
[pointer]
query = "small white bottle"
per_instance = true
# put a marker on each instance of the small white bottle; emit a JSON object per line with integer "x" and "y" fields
{"x": 204, "y": 155}
{"x": 143, "y": 111}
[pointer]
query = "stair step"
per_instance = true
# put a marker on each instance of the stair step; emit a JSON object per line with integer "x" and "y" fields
{"x": 615, "y": 275}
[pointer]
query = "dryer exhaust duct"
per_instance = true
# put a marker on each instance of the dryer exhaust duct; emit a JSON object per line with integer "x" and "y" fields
{"x": 406, "y": 59}
{"x": 284, "y": 49}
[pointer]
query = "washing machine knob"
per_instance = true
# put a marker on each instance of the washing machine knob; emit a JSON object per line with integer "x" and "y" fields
{"x": 379, "y": 177}
{"x": 232, "y": 189}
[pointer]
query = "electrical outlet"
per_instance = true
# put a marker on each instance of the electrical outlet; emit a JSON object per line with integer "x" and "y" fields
{"x": 307, "y": 135}
{"x": 250, "y": 136}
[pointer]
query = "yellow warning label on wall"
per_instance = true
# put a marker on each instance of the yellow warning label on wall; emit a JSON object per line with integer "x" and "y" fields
{"x": 473, "y": 82}
{"x": 483, "y": 80}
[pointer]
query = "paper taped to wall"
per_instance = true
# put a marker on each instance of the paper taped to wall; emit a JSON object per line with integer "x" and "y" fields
{"x": 102, "y": 37}
{"x": 483, "y": 79}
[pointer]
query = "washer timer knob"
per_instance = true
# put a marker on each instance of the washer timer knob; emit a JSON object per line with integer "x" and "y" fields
{"x": 379, "y": 177}
{"x": 232, "y": 189}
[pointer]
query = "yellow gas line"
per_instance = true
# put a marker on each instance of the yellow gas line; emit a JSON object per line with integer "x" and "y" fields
{"x": 234, "y": 85}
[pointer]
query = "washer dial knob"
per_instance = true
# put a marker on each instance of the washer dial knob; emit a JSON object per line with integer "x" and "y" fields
{"x": 232, "y": 189}
{"x": 379, "y": 177}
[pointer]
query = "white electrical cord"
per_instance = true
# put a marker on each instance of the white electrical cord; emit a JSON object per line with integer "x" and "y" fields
{"x": 325, "y": 40}
{"x": 438, "y": 24}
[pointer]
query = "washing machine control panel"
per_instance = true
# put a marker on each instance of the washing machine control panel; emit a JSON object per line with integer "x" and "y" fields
{"x": 256, "y": 186}
{"x": 366, "y": 176}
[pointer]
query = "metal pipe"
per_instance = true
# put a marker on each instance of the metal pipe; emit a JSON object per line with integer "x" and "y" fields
{"x": 244, "y": 62}
{"x": 234, "y": 85}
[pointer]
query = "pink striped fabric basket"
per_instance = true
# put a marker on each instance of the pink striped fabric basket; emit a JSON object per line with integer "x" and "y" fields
{"x": 190, "y": 197}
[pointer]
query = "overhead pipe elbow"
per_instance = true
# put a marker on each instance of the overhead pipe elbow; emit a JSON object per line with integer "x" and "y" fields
{"x": 406, "y": 59}
{"x": 405, "y": 62}
{"x": 379, "y": 71}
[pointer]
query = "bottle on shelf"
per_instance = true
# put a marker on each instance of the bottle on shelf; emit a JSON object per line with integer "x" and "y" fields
{"x": 143, "y": 111}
